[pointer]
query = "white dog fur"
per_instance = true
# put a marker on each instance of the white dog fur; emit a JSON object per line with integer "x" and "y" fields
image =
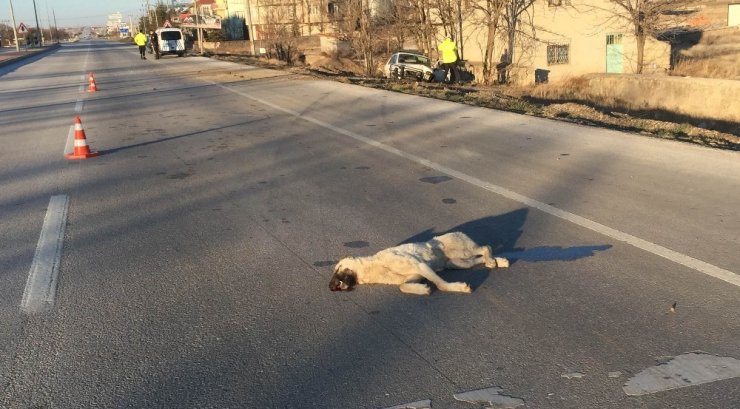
{"x": 407, "y": 264}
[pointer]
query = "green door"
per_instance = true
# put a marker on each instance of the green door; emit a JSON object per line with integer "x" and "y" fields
{"x": 614, "y": 54}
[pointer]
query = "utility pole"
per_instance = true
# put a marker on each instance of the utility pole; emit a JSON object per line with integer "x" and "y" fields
{"x": 38, "y": 27}
{"x": 250, "y": 28}
{"x": 156, "y": 18}
{"x": 15, "y": 33}
{"x": 53, "y": 13}
{"x": 48, "y": 22}
{"x": 197, "y": 25}
{"x": 148, "y": 15}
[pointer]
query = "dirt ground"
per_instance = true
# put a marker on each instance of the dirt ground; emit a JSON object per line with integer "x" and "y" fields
{"x": 516, "y": 99}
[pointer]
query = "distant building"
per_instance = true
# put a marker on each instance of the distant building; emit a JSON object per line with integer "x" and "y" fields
{"x": 115, "y": 22}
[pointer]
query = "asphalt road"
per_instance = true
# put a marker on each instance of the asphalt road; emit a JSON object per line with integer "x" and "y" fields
{"x": 197, "y": 248}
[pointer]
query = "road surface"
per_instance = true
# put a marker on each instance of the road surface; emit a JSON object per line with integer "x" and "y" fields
{"x": 188, "y": 264}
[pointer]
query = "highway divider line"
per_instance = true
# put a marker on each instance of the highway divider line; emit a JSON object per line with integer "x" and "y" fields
{"x": 658, "y": 250}
{"x": 41, "y": 286}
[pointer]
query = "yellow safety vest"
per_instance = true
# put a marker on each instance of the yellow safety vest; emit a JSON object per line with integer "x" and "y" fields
{"x": 448, "y": 48}
{"x": 140, "y": 39}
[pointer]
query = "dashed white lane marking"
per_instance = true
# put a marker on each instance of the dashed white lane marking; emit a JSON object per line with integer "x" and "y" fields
{"x": 69, "y": 146}
{"x": 676, "y": 257}
{"x": 422, "y": 404}
{"x": 41, "y": 285}
{"x": 682, "y": 371}
{"x": 79, "y": 105}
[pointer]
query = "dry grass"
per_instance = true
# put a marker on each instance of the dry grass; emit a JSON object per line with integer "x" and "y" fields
{"x": 726, "y": 67}
{"x": 565, "y": 101}
{"x": 717, "y": 55}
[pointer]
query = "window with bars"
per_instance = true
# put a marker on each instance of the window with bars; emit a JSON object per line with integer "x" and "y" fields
{"x": 558, "y": 54}
{"x": 612, "y": 39}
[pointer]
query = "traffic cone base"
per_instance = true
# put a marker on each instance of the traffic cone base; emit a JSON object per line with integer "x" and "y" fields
{"x": 93, "y": 87}
{"x": 81, "y": 149}
{"x": 72, "y": 156}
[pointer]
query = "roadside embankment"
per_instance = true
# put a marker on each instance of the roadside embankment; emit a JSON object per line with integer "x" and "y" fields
{"x": 11, "y": 57}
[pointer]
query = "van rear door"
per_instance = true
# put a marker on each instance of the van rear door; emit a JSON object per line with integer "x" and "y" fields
{"x": 171, "y": 41}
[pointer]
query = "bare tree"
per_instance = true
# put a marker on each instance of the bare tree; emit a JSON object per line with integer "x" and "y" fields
{"x": 489, "y": 13}
{"x": 514, "y": 13}
{"x": 451, "y": 15}
{"x": 6, "y": 33}
{"x": 353, "y": 20}
{"x": 647, "y": 18}
{"x": 417, "y": 17}
{"x": 282, "y": 29}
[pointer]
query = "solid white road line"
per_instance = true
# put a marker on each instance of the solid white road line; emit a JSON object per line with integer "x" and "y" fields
{"x": 645, "y": 245}
{"x": 41, "y": 285}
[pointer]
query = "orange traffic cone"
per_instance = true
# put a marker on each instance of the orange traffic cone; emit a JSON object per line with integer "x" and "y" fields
{"x": 92, "y": 87}
{"x": 90, "y": 76}
{"x": 81, "y": 151}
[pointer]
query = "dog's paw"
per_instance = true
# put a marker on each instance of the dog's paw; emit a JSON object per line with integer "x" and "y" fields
{"x": 458, "y": 287}
{"x": 501, "y": 262}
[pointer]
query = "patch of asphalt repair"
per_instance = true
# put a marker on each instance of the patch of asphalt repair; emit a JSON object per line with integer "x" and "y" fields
{"x": 491, "y": 398}
{"x": 422, "y": 404}
{"x": 694, "y": 368}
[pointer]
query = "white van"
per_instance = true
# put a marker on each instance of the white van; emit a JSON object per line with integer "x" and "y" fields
{"x": 171, "y": 41}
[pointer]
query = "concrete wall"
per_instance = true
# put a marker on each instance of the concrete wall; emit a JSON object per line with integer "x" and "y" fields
{"x": 700, "y": 98}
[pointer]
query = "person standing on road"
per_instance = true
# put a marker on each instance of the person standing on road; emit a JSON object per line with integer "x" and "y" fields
{"x": 154, "y": 41}
{"x": 448, "y": 51}
{"x": 140, "y": 40}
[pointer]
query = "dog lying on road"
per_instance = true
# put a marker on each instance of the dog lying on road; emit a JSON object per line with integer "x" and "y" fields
{"x": 407, "y": 264}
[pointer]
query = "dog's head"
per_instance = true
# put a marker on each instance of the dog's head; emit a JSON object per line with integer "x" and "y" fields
{"x": 344, "y": 278}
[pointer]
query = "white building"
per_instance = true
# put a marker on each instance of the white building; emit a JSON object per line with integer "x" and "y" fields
{"x": 115, "y": 22}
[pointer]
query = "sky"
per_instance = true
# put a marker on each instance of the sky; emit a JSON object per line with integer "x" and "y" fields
{"x": 69, "y": 13}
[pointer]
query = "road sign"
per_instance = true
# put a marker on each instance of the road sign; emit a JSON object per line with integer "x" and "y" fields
{"x": 22, "y": 29}
{"x": 167, "y": 24}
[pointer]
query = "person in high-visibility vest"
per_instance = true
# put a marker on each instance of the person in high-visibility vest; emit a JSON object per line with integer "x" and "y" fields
{"x": 448, "y": 51}
{"x": 140, "y": 40}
